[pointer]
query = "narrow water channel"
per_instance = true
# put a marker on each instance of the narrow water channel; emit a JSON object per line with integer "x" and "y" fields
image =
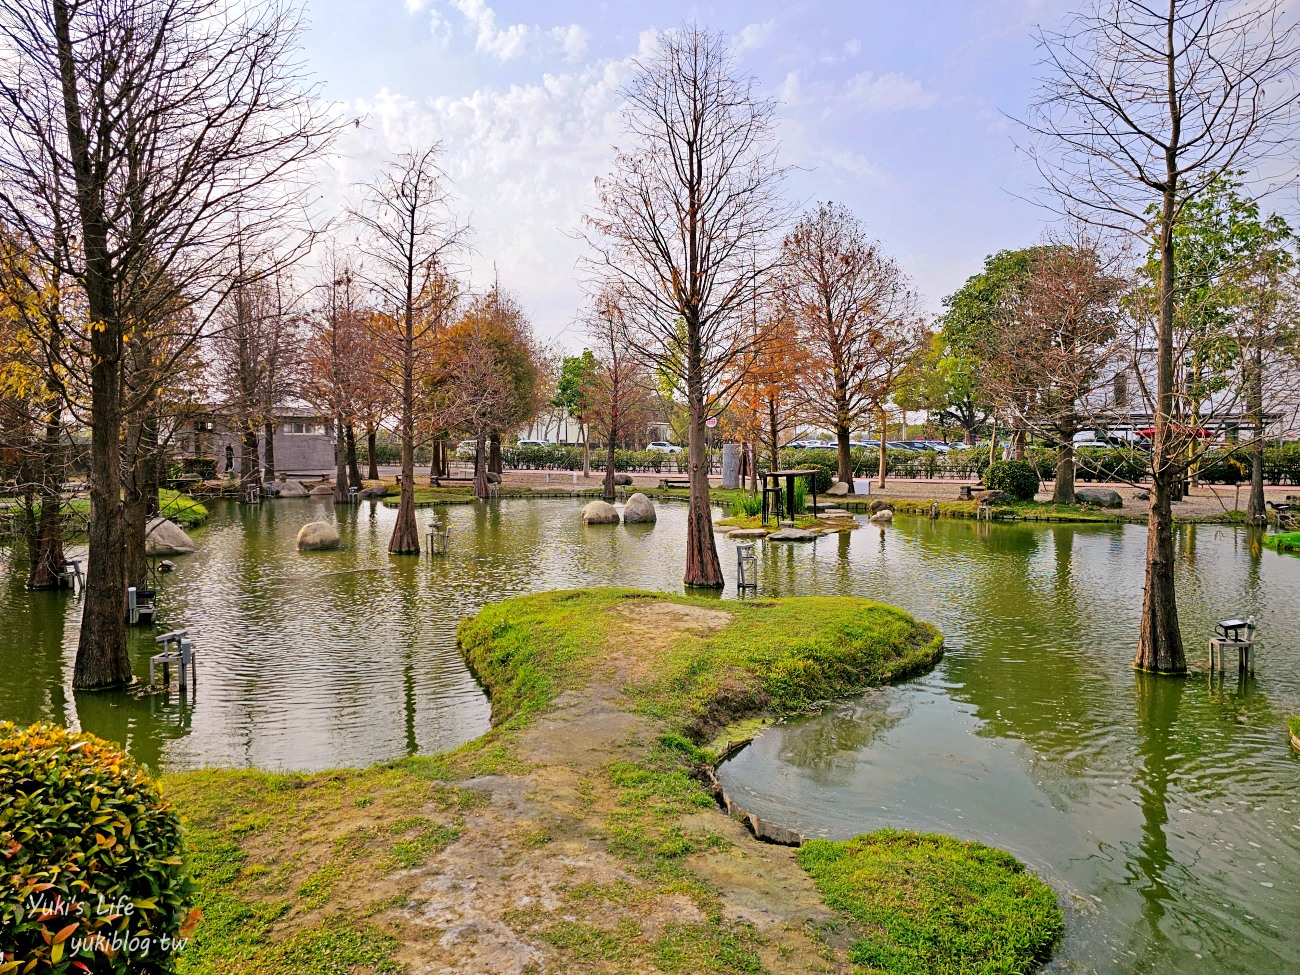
{"x": 1165, "y": 811}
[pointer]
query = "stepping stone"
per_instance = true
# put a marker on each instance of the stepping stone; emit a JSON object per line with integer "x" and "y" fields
{"x": 747, "y": 533}
{"x": 793, "y": 535}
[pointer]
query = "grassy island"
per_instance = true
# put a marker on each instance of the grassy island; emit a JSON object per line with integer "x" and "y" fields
{"x": 576, "y": 835}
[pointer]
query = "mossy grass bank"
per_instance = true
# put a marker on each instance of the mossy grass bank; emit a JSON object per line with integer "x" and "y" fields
{"x": 576, "y": 834}
{"x": 927, "y": 903}
{"x": 1294, "y": 725}
{"x": 181, "y": 508}
{"x": 1284, "y": 541}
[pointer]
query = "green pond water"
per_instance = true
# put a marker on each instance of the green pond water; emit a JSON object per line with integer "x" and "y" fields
{"x": 1165, "y": 811}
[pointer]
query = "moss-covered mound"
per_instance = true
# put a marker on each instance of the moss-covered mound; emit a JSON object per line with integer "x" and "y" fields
{"x": 776, "y": 656}
{"x": 935, "y": 904}
{"x": 181, "y": 508}
{"x": 1284, "y": 542}
{"x": 1294, "y": 725}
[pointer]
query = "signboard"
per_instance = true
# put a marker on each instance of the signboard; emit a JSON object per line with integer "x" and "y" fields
{"x": 711, "y": 422}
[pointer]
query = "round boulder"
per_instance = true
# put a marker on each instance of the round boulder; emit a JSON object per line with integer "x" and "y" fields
{"x": 320, "y": 490}
{"x": 883, "y": 517}
{"x": 375, "y": 491}
{"x": 623, "y": 480}
{"x": 838, "y": 490}
{"x": 879, "y": 506}
{"x": 600, "y": 513}
{"x": 317, "y": 535}
{"x": 1099, "y": 497}
{"x": 290, "y": 489}
{"x": 163, "y": 537}
{"x": 638, "y": 508}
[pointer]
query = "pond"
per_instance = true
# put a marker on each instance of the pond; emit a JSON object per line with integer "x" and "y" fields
{"x": 1165, "y": 811}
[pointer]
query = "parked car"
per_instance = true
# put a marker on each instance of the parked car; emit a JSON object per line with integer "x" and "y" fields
{"x": 865, "y": 444}
{"x": 1086, "y": 439}
{"x": 663, "y": 447}
{"x": 534, "y": 443}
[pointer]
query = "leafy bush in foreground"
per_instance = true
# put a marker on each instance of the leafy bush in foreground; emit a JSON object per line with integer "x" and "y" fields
{"x": 91, "y": 878}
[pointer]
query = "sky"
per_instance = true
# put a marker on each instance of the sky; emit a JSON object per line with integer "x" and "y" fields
{"x": 902, "y": 111}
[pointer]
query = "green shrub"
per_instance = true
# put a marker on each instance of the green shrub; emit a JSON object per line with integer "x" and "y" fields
{"x": 1015, "y": 478}
{"x": 825, "y": 462}
{"x": 92, "y": 873}
{"x": 748, "y": 505}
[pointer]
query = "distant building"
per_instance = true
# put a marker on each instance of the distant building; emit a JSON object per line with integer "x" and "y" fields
{"x": 304, "y": 442}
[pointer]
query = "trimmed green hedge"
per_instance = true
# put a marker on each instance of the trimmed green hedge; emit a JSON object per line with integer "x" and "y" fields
{"x": 93, "y": 879}
{"x": 570, "y": 459}
{"x": 1015, "y": 478}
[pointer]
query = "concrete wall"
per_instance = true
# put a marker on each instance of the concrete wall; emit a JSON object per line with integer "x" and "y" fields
{"x": 293, "y": 451}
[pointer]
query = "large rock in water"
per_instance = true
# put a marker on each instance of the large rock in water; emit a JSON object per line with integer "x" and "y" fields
{"x": 1100, "y": 497}
{"x": 792, "y": 535}
{"x": 638, "y": 508}
{"x": 883, "y": 516}
{"x": 290, "y": 489}
{"x": 317, "y": 535}
{"x": 375, "y": 491}
{"x": 163, "y": 537}
{"x": 600, "y": 513}
{"x": 322, "y": 489}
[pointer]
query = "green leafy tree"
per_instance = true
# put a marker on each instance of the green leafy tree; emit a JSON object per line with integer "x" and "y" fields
{"x": 1234, "y": 315}
{"x": 574, "y": 390}
{"x": 946, "y": 385}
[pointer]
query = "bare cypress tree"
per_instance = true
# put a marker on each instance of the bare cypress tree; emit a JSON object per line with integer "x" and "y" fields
{"x": 686, "y": 230}
{"x": 411, "y": 236}
{"x": 136, "y": 136}
{"x": 1145, "y": 104}
{"x": 857, "y": 318}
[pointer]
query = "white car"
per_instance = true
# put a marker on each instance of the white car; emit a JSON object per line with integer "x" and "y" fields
{"x": 533, "y": 443}
{"x": 664, "y": 447}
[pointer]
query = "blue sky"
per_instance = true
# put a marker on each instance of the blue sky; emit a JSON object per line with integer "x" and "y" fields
{"x": 898, "y": 110}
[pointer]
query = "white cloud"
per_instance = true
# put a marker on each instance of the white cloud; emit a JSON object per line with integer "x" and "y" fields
{"x": 754, "y": 36}
{"x": 890, "y": 92}
{"x": 573, "y": 40}
{"x": 521, "y": 161}
{"x": 502, "y": 42}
